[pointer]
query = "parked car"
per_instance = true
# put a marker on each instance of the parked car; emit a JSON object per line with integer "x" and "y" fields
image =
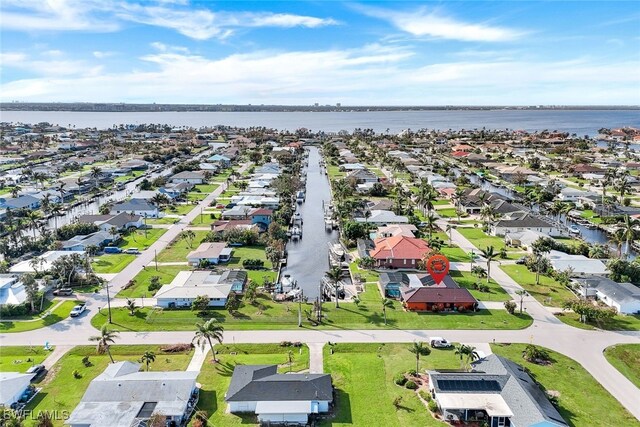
{"x": 521, "y": 260}
{"x": 78, "y": 310}
{"x": 439, "y": 342}
{"x": 37, "y": 371}
{"x": 112, "y": 250}
{"x": 134, "y": 251}
{"x": 63, "y": 292}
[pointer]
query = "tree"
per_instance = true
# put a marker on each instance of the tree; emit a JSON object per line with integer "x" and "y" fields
{"x": 206, "y": 332}
{"x": 147, "y": 358}
{"x": 489, "y": 254}
{"x": 154, "y": 284}
{"x": 10, "y": 418}
{"x": 31, "y": 288}
{"x": 131, "y": 306}
{"x": 188, "y": 235}
{"x": 33, "y": 217}
{"x": 386, "y": 303}
{"x": 629, "y": 226}
{"x": 510, "y": 306}
{"x": 233, "y": 303}
{"x": 200, "y": 303}
{"x": 521, "y": 293}
{"x": 449, "y": 229}
{"x": 467, "y": 355}
{"x": 334, "y": 275}
{"x": 540, "y": 247}
{"x": 251, "y": 292}
{"x": 44, "y": 419}
{"x": 533, "y": 353}
{"x": 418, "y": 348}
{"x": 104, "y": 340}
{"x": 95, "y": 173}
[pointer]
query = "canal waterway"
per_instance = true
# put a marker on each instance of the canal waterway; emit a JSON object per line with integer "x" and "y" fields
{"x": 308, "y": 258}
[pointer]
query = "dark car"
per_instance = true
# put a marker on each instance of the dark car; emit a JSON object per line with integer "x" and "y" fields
{"x": 63, "y": 292}
{"x": 521, "y": 260}
{"x": 37, "y": 371}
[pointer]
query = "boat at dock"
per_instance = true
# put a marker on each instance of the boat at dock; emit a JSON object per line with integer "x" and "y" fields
{"x": 573, "y": 229}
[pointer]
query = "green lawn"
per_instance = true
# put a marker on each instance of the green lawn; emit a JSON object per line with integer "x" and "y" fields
{"x": 111, "y": 263}
{"x": 480, "y": 239}
{"x": 334, "y": 172}
{"x": 441, "y": 202}
{"x": 62, "y": 392}
{"x": 582, "y": 401}
{"x": 549, "y": 292}
{"x": 591, "y": 216}
{"x": 619, "y": 322}
{"x": 241, "y": 253}
{"x": 205, "y": 188}
{"x": 367, "y": 275}
{"x": 215, "y": 378}
{"x": 447, "y": 213}
{"x": 181, "y": 209}
{"x": 164, "y": 220}
{"x": 129, "y": 177}
{"x": 204, "y": 220}
{"x": 178, "y": 249}
{"x": 59, "y": 313}
{"x": 21, "y": 358}
{"x": 142, "y": 239}
{"x": 363, "y": 377}
{"x": 266, "y": 314}
{"x": 455, "y": 254}
{"x": 194, "y": 196}
{"x": 466, "y": 280}
{"x": 626, "y": 359}
{"x": 166, "y": 273}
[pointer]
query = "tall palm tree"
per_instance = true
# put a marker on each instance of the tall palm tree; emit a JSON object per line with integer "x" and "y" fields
{"x": 386, "y": 303}
{"x": 334, "y": 275}
{"x": 629, "y": 231}
{"x": 147, "y": 358}
{"x": 489, "y": 254}
{"x": 104, "y": 340}
{"x": 430, "y": 222}
{"x": 449, "y": 229}
{"x": 33, "y": 217}
{"x": 188, "y": 235}
{"x": 419, "y": 349}
{"x": 56, "y": 209}
{"x": 618, "y": 239}
{"x": 208, "y": 331}
{"x": 467, "y": 355}
{"x": 95, "y": 173}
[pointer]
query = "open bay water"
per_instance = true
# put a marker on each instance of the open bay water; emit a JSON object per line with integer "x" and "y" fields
{"x": 581, "y": 122}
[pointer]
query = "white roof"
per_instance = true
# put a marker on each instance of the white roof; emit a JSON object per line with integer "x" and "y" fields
{"x": 191, "y": 284}
{"x": 48, "y": 257}
{"x": 494, "y": 404}
{"x": 11, "y": 290}
{"x": 12, "y": 384}
{"x": 580, "y": 264}
{"x": 283, "y": 407}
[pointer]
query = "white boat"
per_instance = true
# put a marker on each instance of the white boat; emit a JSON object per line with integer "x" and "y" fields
{"x": 336, "y": 250}
{"x": 573, "y": 229}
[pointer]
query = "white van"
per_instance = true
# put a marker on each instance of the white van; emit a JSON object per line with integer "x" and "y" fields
{"x": 439, "y": 342}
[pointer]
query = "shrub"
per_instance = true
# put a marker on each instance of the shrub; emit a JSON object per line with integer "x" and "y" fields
{"x": 86, "y": 362}
{"x": 286, "y": 343}
{"x": 412, "y": 372}
{"x": 253, "y": 264}
{"x": 76, "y": 374}
{"x": 411, "y": 385}
{"x": 433, "y": 406}
{"x": 425, "y": 395}
{"x": 177, "y": 348}
{"x": 510, "y": 306}
{"x": 400, "y": 379}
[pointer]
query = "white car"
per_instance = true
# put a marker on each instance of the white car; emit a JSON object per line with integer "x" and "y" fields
{"x": 439, "y": 342}
{"x": 78, "y": 310}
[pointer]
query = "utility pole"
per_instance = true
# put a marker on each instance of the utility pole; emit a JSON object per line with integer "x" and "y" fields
{"x": 155, "y": 258}
{"x": 300, "y": 309}
{"x": 108, "y": 302}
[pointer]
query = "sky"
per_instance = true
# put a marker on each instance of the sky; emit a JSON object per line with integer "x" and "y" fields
{"x": 326, "y": 52}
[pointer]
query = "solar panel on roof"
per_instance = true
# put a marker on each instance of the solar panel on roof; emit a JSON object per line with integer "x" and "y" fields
{"x": 468, "y": 385}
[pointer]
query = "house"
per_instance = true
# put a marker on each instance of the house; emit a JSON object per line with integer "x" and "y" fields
{"x": 20, "y": 202}
{"x": 81, "y": 242}
{"x": 438, "y": 299}
{"x": 213, "y": 253}
{"x": 222, "y": 226}
{"x": 524, "y": 221}
{"x": 192, "y": 177}
{"x": 267, "y": 202}
{"x": 261, "y": 217}
{"x": 391, "y": 283}
{"x": 136, "y": 207}
{"x": 392, "y": 230}
{"x": 122, "y": 221}
{"x": 188, "y": 285}
{"x": 278, "y": 398}
{"x": 147, "y": 195}
{"x": 12, "y": 387}
{"x": 11, "y": 290}
{"x": 362, "y": 176}
{"x": 399, "y": 252}
{"x": 523, "y": 239}
{"x": 125, "y": 396}
{"x": 220, "y": 160}
{"x": 578, "y": 265}
{"x": 569, "y": 194}
{"x": 497, "y": 392}
{"x": 624, "y": 297}
{"x": 47, "y": 260}
{"x": 237, "y": 212}
{"x": 382, "y": 217}
{"x": 175, "y": 190}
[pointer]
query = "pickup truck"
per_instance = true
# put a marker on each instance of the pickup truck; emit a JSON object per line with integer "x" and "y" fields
{"x": 78, "y": 310}
{"x": 63, "y": 292}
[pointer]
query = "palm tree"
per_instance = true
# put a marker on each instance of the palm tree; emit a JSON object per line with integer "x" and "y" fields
{"x": 419, "y": 349}
{"x": 489, "y": 254}
{"x": 131, "y": 306}
{"x": 449, "y": 229}
{"x": 386, "y": 303}
{"x": 188, "y": 235}
{"x": 95, "y": 173}
{"x": 15, "y": 190}
{"x": 629, "y": 231}
{"x": 521, "y": 293}
{"x": 618, "y": 239}
{"x": 147, "y": 358}
{"x": 467, "y": 355}
{"x": 56, "y": 209}
{"x": 430, "y": 222}
{"x": 207, "y": 331}
{"x": 104, "y": 340}
{"x": 540, "y": 247}
{"x": 33, "y": 217}
{"x": 334, "y": 275}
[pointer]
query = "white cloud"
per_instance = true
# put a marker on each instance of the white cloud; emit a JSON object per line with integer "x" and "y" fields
{"x": 371, "y": 74}
{"x": 424, "y": 22}
{"x": 101, "y": 54}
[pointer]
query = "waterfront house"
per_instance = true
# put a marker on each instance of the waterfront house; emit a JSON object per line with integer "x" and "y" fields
{"x": 138, "y": 207}
{"x": 20, "y": 202}
{"x": 221, "y": 226}
{"x": 278, "y": 398}
{"x": 578, "y": 265}
{"x": 362, "y": 176}
{"x": 12, "y": 291}
{"x": 624, "y": 297}
{"x": 399, "y": 252}
{"x": 392, "y": 282}
{"x": 213, "y": 253}
{"x": 82, "y": 242}
{"x": 188, "y": 285}
{"x": 392, "y": 230}
{"x": 192, "y": 177}
{"x": 267, "y": 202}
{"x": 47, "y": 259}
{"x": 519, "y": 222}
{"x": 125, "y": 396}
{"x": 437, "y": 299}
{"x": 13, "y": 386}
{"x": 122, "y": 221}
{"x": 383, "y": 217}
{"x": 497, "y": 392}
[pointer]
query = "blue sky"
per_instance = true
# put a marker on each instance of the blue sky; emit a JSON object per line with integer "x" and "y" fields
{"x": 355, "y": 53}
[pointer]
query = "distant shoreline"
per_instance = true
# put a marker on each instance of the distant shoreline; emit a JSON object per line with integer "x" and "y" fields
{"x": 153, "y": 108}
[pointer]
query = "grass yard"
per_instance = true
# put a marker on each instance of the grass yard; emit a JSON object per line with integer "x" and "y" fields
{"x": 62, "y": 392}
{"x": 455, "y": 254}
{"x": 166, "y": 273}
{"x": 626, "y": 359}
{"x": 178, "y": 249}
{"x": 181, "y": 209}
{"x": 111, "y": 263}
{"x": 204, "y": 220}
{"x": 205, "y": 188}
{"x": 447, "y": 212}
{"x": 441, "y": 202}
{"x": 334, "y": 172}
{"x": 363, "y": 377}
{"x": 215, "y": 378}
{"x": 549, "y": 292}
{"x": 582, "y": 400}
{"x": 466, "y": 280}
{"x": 130, "y": 176}
{"x": 480, "y": 239}
{"x": 591, "y": 216}
{"x": 619, "y": 322}
{"x": 21, "y": 358}
{"x": 367, "y": 275}
{"x": 266, "y": 314}
{"x": 142, "y": 239}
{"x": 60, "y": 312}
{"x": 164, "y": 220}
{"x": 241, "y": 253}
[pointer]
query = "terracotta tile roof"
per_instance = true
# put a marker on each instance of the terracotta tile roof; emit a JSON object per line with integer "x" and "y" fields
{"x": 437, "y": 295}
{"x": 400, "y": 247}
